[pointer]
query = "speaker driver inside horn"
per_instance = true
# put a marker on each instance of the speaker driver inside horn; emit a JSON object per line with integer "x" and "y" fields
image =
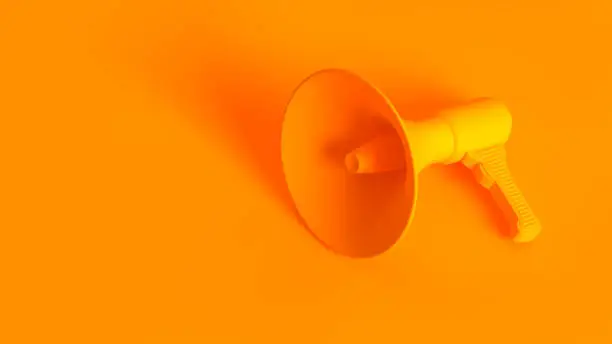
{"x": 332, "y": 113}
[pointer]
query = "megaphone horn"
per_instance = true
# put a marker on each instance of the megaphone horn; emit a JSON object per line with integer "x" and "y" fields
{"x": 351, "y": 162}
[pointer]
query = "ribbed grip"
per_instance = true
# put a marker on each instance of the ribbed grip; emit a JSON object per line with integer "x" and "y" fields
{"x": 490, "y": 167}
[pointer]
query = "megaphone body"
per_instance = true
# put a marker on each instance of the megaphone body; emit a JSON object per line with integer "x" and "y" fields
{"x": 351, "y": 162}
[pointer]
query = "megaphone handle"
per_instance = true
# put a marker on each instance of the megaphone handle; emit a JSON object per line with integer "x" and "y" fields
{"x": 491, "y": 170}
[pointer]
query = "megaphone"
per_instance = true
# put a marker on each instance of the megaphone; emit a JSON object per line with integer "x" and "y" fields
{"x": 351, "y": 162}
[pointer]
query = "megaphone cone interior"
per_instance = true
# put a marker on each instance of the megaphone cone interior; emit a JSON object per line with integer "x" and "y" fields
{"x": 351, "y": 163}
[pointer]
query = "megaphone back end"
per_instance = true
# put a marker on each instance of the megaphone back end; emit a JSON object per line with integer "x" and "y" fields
{"x": 355, "y": 214}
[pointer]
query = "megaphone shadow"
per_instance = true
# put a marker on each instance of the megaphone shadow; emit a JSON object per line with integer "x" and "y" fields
{"x": 250, "y": 98}
{"x": 247, "y": 103}
{"x": 252, "y": 114}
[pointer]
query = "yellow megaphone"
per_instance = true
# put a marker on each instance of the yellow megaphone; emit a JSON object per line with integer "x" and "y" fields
{"x": 351, "y": 162}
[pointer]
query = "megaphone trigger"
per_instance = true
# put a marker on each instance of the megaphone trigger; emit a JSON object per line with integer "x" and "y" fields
{"x": 491, "y": 171}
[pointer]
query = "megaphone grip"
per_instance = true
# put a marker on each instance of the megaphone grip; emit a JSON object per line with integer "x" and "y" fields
{"x": 491, "y": 168}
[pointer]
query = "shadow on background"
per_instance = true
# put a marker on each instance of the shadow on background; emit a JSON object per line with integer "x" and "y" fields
{"x": 248, "y": 105}
{"x": 249, "y": 93}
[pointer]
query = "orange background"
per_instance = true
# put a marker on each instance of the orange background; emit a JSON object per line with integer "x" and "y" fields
{"x": 141, "y": 192}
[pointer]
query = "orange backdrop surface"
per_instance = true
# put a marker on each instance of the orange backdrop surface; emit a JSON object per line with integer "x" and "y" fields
{"x": 142, "y": 198}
